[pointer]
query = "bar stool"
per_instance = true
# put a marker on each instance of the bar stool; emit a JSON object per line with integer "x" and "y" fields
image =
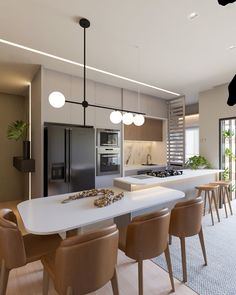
{"x": 223, "y": 194}
{"x": 210, "y": 191}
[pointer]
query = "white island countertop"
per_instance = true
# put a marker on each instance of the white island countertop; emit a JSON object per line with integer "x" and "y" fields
{"x": 137, "y": 182}
{"x": 48, "y": 215}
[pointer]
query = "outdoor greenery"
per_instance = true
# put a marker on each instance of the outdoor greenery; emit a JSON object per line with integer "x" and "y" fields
{"x": 197, "y": 162}
{"x": 228, "y": 133}
{"x": 17, "y": 130}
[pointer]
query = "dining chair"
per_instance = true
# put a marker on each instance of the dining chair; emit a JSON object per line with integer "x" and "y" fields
{"x": 83, "y": 263}
{"x": 146, "y": 237}
{"x": 17, "y": 250}
{"x": 186, "y": 221}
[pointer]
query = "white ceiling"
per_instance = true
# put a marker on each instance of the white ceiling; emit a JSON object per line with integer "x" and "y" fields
{"x": 174, "y": 53}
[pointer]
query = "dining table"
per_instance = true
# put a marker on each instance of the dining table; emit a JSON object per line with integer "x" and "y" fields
{"x": 49, "y": 215}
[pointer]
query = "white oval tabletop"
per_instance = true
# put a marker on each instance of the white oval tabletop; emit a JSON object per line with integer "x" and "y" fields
{"x": 48, "y": 215}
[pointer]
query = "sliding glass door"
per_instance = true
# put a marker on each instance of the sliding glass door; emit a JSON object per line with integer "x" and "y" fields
{"x": 228, "y": 150}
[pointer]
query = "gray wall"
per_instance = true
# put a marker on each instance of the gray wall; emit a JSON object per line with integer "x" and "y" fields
{"x": 212, "y": 107}
{"x": 12, "y": 108}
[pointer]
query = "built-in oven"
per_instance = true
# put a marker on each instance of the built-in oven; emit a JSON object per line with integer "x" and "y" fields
{"x": 108, "y": 137}
{"x": 108, "y": 160}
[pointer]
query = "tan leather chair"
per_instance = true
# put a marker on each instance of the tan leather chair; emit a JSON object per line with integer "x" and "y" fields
{"x": 17, "y": 250}
{"x": 186, "y": 221}
{"x": 83, "y": 263}
{"x": 145, "y": 238}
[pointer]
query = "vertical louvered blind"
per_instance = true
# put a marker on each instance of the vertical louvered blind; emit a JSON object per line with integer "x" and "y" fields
{"x": 176, "y": 132}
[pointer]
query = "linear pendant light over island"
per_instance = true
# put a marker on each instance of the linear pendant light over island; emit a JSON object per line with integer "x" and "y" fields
{"x": 57, "y": 99}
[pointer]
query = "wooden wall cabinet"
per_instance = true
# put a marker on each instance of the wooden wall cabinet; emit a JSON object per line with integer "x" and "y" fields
{"x": 151, "y": 130}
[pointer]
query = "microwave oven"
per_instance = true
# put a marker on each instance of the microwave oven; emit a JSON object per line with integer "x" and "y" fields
{"x": 108, "y": 137}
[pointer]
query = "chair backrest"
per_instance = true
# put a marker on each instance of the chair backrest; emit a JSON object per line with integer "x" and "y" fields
{"x": 87, "y": 262}
{"x": 12, "y": 249}
{"x": 186, "y": 218}
{"x": 147, "y": 235}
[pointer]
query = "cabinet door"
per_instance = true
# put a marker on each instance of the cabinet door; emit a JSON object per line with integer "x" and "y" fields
{"x": 151, "y": 130}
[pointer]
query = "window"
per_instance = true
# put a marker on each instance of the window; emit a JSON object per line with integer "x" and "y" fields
{"x": 191, "y": 142}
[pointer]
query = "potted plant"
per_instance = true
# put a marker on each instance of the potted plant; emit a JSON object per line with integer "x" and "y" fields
{"x": 19, "y": 130}
{"x": 197, "y": 162}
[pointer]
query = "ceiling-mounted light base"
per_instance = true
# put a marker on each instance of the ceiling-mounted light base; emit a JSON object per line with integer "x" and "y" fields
{"x": 84, "y": 23}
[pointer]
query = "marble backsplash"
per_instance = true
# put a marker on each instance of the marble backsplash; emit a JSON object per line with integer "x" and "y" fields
{"x": 135, "y": 152}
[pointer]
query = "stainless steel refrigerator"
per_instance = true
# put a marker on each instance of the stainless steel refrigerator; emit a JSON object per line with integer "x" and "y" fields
{"x": 69, "y": 159}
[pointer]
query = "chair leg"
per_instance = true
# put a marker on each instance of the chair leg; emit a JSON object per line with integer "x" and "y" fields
{"x": 140, "y": 277}
{"x": 168, "y": 261}
{"x": 214, "y": 199}
{"x": 210, "y": 208}
{"x": 229, "y": 200}
{"x": 201, "y": 238}
{"x": 114, "y": 283}
{"x": 205, "y": 197}
{"x": 45, "y": 282}
{"x": 170, "y": 239}
{"x": 224, "y": 200}
{"x": 3, "y": 278}
{"x": 184, "y": 264}
{"x": 69, "y": 291}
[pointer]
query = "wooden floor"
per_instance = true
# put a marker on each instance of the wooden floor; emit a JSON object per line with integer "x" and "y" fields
{"x": 27, "y": 280}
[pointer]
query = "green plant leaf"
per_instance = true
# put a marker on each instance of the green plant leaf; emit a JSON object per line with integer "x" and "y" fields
{"x": 17, "y": 130}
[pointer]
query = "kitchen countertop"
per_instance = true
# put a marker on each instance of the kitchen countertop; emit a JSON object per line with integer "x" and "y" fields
{"x": 134, "y": 183}
{"x": 37, "y": 213}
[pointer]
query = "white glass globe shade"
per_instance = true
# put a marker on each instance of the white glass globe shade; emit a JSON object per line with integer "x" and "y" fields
{"x": 56, "y": 99}
{"x": 115, "y": 117}
{"x": 128, "y": 118}
{"x": 139, "y": 120}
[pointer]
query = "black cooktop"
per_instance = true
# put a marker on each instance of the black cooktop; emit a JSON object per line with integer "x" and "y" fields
{"x": 165, "y": 173}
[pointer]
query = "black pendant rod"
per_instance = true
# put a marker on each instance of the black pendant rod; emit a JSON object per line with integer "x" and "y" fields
{"x": 84, "y": 23}
{"x": 105, "y": 107}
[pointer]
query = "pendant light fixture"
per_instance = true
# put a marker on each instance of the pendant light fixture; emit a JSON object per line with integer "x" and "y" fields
{"x": 57, "y": 99}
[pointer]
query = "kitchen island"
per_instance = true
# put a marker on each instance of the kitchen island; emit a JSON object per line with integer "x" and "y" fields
{"x": 185, "y": 182}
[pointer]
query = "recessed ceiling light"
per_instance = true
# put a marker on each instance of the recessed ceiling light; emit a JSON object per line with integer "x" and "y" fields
{"x": 193, "y": 15}
{"x": 88, "y": 67}
{"x": 232, "y": 47}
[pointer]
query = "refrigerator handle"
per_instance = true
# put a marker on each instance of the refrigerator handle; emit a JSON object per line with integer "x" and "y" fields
{"x": 66, "y": 156}
{"x": 69, "y": 154}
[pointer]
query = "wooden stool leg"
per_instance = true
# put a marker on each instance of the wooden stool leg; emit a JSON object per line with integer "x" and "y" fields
{"x": 213, "y": 195}
{"x": 140, "y": 277}
{"x": 229, "y": 200}
{"x": 184, "y": 264}
{"x": 45, "y": 282}
{"x": 210, "y": 208}
{"x": 224, "y": 200}
{"x": 205, "y": 198}
{"x": 114, "y": 284}
{"x": 169, "y": 266}
{"x": 4, "y": 278}
{"x": 201, "y": 238}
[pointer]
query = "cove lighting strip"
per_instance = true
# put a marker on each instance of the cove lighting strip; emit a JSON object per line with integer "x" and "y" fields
{"x": 87, "y": 67}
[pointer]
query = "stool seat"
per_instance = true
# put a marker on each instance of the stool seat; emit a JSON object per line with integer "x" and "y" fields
{"x": 221, "y": 182}
{"x": 207, "y": 187}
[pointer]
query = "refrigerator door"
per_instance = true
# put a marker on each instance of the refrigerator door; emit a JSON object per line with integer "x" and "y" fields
{"x": 82, "y": 158}
{"x": 56, "y": 157}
